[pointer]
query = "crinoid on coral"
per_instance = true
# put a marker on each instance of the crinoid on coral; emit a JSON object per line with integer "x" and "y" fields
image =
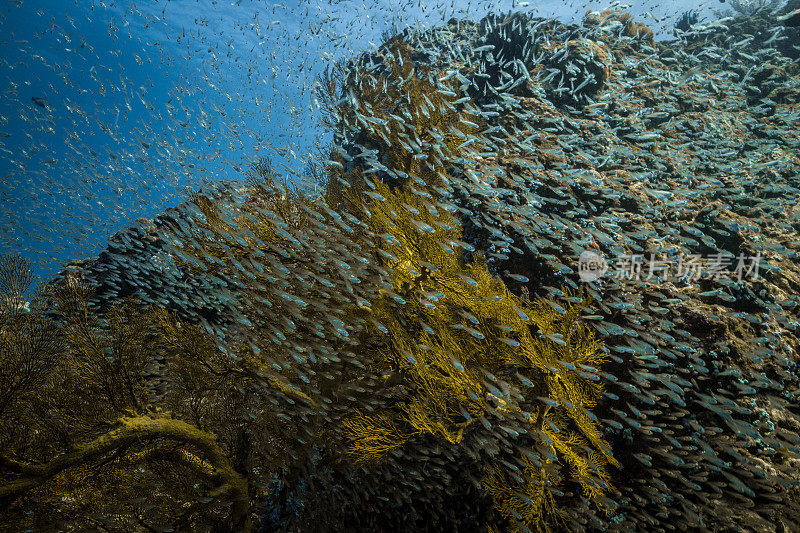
{"x": 577, "y": 70}
{"x": 754, "y": 34}
{"x": 405, "y": 121}
{"x": 687, "y": 20}
{"x": 505, "y": 51}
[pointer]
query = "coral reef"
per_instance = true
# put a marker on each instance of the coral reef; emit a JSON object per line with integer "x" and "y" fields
{"x": 684, "y": 150}
{"x": 422, "y": 332}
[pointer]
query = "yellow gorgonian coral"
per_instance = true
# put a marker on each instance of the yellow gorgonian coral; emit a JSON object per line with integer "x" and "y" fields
{"x": 476, "y": 357}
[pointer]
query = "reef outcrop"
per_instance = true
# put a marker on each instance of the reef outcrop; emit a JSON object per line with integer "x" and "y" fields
{"x": 674, "y": 164}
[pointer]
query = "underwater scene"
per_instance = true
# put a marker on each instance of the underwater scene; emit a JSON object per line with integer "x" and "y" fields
{"x": 412, "y": 266}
